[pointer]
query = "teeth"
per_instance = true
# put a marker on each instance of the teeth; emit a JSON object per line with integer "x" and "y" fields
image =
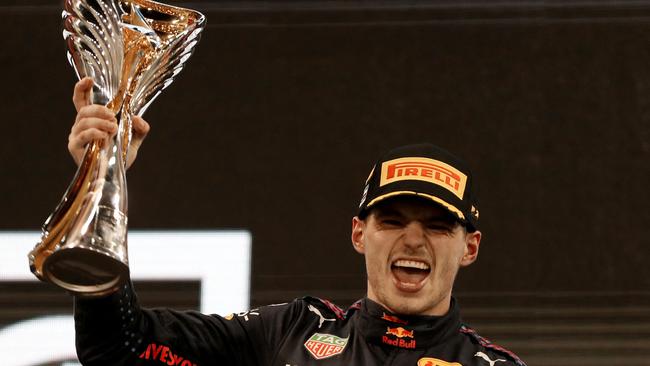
{"x": 411, "y": 264}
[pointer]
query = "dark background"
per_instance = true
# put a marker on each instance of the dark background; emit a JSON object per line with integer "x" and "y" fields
{"x": 275, "y": 123}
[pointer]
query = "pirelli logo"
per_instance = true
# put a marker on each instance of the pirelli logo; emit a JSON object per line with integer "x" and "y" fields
{"x": 424, "y": 169}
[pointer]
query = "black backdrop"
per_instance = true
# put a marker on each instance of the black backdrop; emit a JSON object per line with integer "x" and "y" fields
{"x": 275, "y": 122}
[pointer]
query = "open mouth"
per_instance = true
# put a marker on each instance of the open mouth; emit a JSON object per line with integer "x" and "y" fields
{"x": 410, "y": 274}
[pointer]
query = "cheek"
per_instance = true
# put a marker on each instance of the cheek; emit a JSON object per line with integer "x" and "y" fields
{"x": 446, "y": 268}
{"x": 449, "y": 254}
{"x": 376, "y": 256}
{"x": 373, "y": 259}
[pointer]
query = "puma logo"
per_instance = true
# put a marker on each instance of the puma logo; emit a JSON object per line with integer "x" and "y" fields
{"x": 486, "y": 358}
{"x": 322, "y": 318}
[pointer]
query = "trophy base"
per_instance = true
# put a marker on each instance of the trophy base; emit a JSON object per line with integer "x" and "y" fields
{"x": 84, "y": 272}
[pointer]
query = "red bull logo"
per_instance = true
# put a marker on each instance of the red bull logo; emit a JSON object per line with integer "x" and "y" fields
{"x": 400, "y": 332}
{"x": 393, "y": 319}
{"x": 424, "y": 169}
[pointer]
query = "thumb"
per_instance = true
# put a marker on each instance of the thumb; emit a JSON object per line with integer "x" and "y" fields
{"x": 81, "y": 94}
{"x": 140, "y": 129}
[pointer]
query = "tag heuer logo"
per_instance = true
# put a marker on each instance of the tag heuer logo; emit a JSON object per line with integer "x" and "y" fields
{"x": 325, "y": 345}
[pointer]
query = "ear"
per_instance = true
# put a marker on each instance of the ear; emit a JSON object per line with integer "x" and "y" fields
{"x": 358, "y": 229}
{"x": 472, "y": 243}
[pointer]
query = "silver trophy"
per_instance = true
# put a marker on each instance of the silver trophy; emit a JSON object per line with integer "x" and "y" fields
{"x": 133, "y": 49}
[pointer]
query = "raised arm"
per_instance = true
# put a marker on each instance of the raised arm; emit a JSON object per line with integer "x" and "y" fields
{"x": 116, "y": 331}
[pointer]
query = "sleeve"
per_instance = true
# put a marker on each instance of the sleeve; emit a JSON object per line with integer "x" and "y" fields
{"x": 115, "y": 330}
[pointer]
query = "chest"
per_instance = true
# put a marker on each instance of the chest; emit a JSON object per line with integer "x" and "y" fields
{"x": 342, "y": 344}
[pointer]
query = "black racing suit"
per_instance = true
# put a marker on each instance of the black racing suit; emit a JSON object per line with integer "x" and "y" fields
{"x": 308, "y": 331}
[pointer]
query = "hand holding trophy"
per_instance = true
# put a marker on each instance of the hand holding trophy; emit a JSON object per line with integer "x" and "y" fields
{"x": 97, "y": 122}
{"x": 132, "y": 49}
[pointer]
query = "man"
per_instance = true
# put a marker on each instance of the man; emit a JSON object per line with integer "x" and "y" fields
{"x": 417, "y": 225}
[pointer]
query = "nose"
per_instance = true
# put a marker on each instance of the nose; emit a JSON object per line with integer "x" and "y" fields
{"x": 414, "y": 234}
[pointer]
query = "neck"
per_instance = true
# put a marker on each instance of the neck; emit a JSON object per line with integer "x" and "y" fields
{"x": 408, "y": 306}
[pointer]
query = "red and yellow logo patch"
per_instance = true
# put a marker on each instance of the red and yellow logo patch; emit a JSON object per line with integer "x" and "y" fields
{"x": 430, "y": 361}
{"x": 426, "y": 170}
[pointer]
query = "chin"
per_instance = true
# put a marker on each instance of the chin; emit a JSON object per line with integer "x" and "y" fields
{"x": 411, "y": 309}
{"x": 421, "y": 302}
{"x": 424, "y": 302}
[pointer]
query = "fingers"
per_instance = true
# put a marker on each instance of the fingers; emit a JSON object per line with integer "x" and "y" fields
{"x": 79, "y": 141}
{"x": 94, "y": 116}
{"x": 81, "y": 94}
{"x": 95, "y": 111}
{"x": 95, "y": 122}
{"x": 140, "y": 128}
{"x": 89, "y": 123}
{"x": 92, "y": 122}
{"x": 140, "y": 131}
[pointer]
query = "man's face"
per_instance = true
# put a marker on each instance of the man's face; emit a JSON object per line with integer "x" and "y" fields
{"x": 413, "y": 249}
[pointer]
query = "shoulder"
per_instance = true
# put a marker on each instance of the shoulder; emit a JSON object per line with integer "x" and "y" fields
{"x": 291, "y": 310}
{"x": 321, "y": 306}
{"x": 280, "y": 310}
{"x": 488, "y": 350}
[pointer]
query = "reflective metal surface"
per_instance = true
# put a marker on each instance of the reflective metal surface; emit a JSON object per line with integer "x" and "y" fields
{"x": 133, "y": 49}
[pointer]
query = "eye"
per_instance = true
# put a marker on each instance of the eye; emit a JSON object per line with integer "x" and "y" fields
{"x": 438, "y": 226}
{"x": 391, "y": 222}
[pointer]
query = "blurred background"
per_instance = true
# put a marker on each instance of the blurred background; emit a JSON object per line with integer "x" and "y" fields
{"x": 276, "y": 121}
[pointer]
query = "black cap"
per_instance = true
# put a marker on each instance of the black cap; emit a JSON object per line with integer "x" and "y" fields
{"x": 426, "y": 171}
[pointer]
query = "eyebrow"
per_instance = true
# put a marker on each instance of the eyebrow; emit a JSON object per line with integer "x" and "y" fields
{"x": 381, "y": 211}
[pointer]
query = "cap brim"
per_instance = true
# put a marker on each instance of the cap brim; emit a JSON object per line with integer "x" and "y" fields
{"x": 451, "y": 208}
